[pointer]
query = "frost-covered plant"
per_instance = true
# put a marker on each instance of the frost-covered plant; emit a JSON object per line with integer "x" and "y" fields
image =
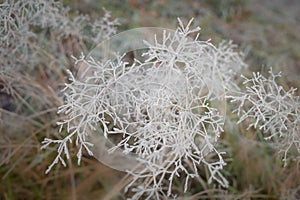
{"x": 161, "y": 107}
{"x": 272, "y": 109}
{"x": 18, "y": 18}
{"x": 37, "y": 38}
{"x": 32, "y": 33}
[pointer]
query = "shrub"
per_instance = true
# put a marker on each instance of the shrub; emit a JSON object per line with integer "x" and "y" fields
{"x": 162, "y": 109}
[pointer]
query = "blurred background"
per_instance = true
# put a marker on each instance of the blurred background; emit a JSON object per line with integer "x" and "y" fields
{"x": 268, "y": 34}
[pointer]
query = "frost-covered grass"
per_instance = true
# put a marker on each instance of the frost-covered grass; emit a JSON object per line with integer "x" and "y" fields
{"x": 178, "y": 135}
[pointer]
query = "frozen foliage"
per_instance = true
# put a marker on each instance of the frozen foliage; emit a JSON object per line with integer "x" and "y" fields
{"x": 165, "y": 109}
{"x": 38, "y": 37}
{"x": 272, "y": 109}
{"x": 162, "y": 108}
{"x": 19, "y": 17}
{"x": 32, "y": 33}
